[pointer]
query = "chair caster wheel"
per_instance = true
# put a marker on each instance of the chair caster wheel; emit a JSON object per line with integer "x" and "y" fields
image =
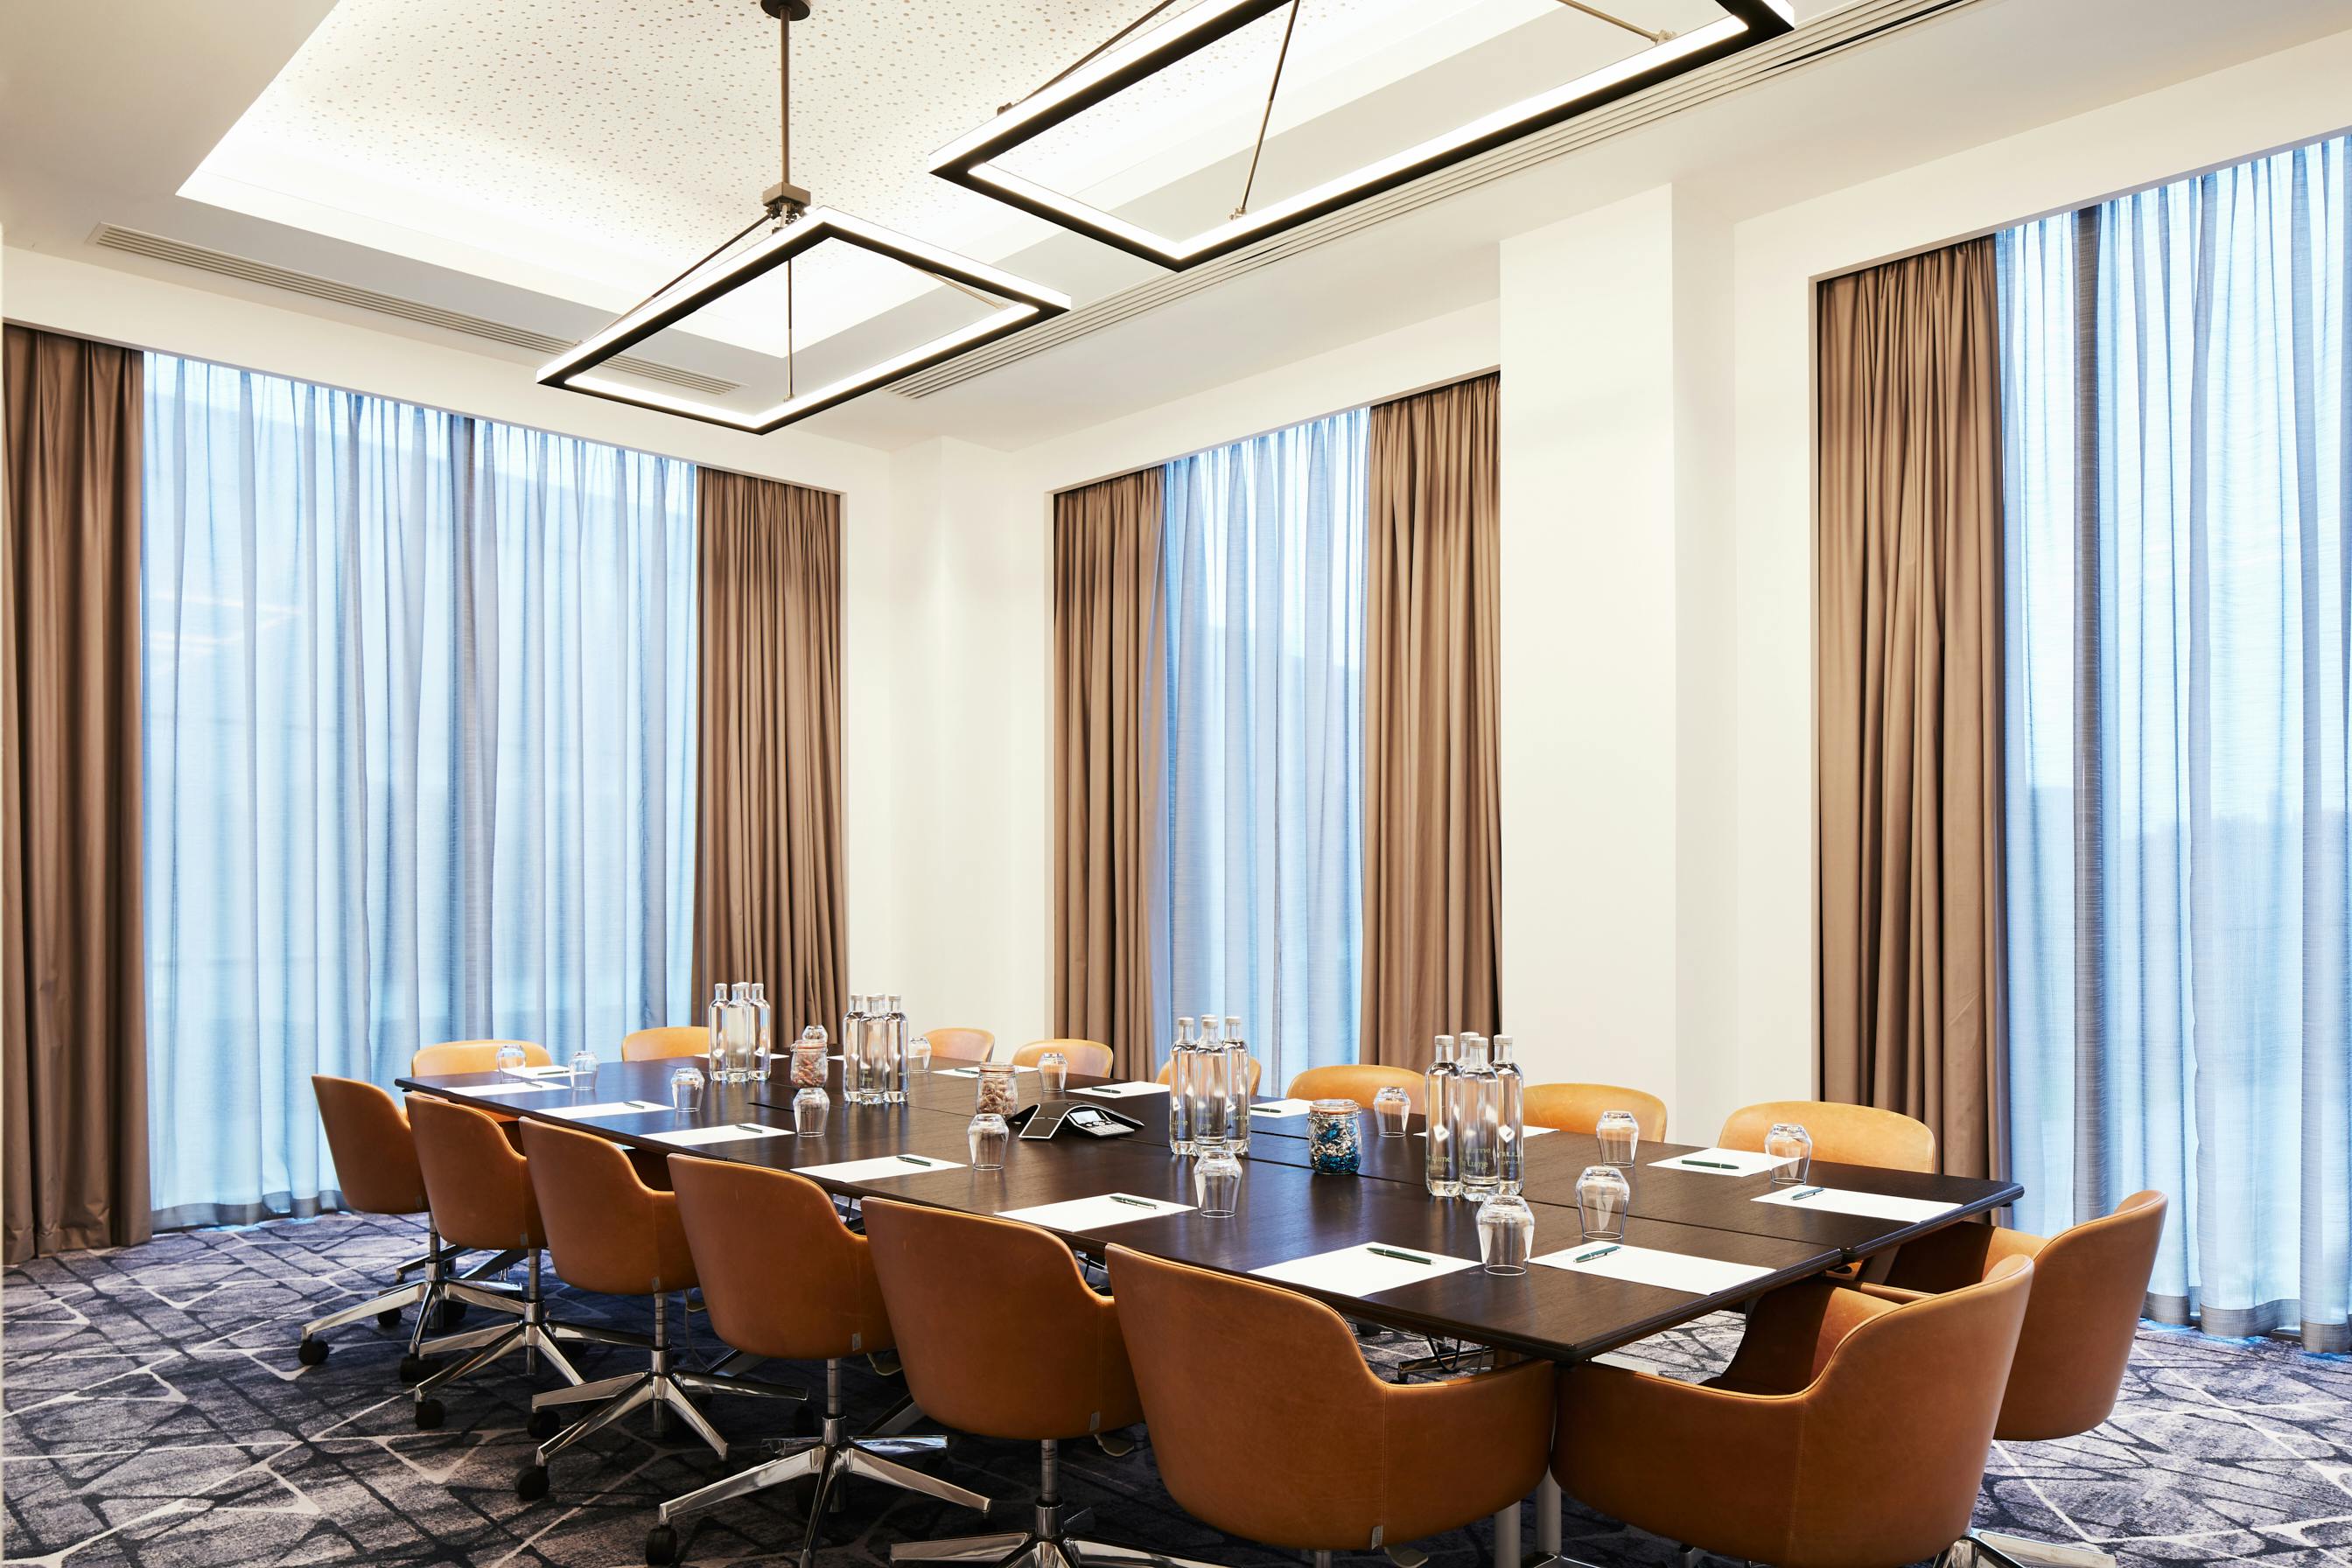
{"x": 310, "y": 1353}
{"x": 413, "y": 1368}
{"x": 543, "y": 1424}
{"x": 389, "y": 1320}
{"x": 661, "y": 1546}
{"x": 430, "y": 1413}
{"x": 531, "y": 1484}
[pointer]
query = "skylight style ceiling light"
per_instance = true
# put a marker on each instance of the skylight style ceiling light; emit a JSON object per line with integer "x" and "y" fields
{"x": 1125, "y": 59}
{"x": 790, "y": 227}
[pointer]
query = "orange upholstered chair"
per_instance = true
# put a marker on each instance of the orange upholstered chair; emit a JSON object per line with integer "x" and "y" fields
{"x": 451, "y": 1057}
{"x": 1841, "y": 1134}
{"x": 959, "y": 1044}
{"x": 1358, "y": 1081}
{"x": 1257, "y": 1071}
{"x": 1578, "y": 1107}
{"x": 376, "y": 1164}
{"x": 667, "y": 1040}
{"x": 1087, "y": 1058}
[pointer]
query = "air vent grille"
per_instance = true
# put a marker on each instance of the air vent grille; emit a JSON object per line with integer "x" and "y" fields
{"x": 1856, "y": 24}
{"x": 221, "y": 263}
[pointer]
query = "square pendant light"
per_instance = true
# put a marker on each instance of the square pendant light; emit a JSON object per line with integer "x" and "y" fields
{"x": 970, "y": 161}
{"x": 1019, "y": 302}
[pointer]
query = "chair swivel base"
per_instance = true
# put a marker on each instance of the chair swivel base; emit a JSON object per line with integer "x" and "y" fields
{"x": 828, "y": 1459}
{"x": 436, "y": 1302}
{"x": 530, "y": 1331}
{"x": 1991, "y": 1548}
{"x": 1048, "y": 1542}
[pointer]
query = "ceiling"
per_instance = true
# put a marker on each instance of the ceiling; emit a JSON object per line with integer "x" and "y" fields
{"x": 545, "y": 164}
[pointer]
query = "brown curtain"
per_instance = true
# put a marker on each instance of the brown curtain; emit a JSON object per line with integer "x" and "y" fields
{"x": 767, "y": 902}
{"x": 1109, "y": 823}
{"x": 1433, "y": 806}
{"x": 1907, "y": 685}
{"x": 73, "y": 1014}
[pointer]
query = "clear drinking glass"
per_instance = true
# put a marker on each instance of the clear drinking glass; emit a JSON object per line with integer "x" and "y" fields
{"x": 809, "y": 1109}
{"x": 1602, "y": 1196}
{"x": 1053, "y": 1075}
{"x": 1506, "y": 1233}
{"x": 1789, "y": 1141}
{"x": 1620, "y": 1135}
{"x": 1217, "y": 1182}
{"x": 918, "y": 1055}
{"x": 686, "y": 1090}
{"x": 989, "y": 1135}
{"x": 1392, "y": 1108}
{"x": 510, "y": 1055}
{"x": 583, "y": 1069}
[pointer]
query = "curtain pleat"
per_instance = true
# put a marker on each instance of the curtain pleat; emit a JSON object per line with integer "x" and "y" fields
{"x": 72, "y": 1001}
{"x": 1432, "y": 802}
{"x": 769, "y": 897}
{"x": 1110, "y": 826}
{"x": 1907, "y": 694}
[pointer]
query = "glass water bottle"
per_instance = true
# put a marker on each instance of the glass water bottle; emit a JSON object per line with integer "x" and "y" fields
{"x": 1179, "y": 1088}
{"x": 1513, "y": 1131}
{"x": 1477, "y": 1121}
{"x": 1444, "y": 1166}
{"x": 1204, "y": 1094}
{"x": 718, "y": 1050}
{"x": 763, "y": 1031}
{"x": 1237, "y": 1089}
{"x": 742, "y": 1033}
{"x": 894, "y": 1052}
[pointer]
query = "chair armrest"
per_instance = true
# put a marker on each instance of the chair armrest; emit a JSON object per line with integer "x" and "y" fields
{"x": 1791, "y": 1332}
{"x": 1700, "y": 1465}
{"x": 1957, "y": 1256}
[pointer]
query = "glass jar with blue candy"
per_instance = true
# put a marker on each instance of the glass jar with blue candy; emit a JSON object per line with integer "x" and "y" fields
{"x": 1332, "y": 1137}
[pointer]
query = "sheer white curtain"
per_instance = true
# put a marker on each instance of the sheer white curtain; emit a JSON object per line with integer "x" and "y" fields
{"x": 420, "y": 757}
{"x": 2178, "y": 410}
{"x": 1265, "y": 742}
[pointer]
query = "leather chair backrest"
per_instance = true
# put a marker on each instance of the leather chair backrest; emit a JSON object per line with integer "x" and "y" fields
{"x": 1257, "y": 1071}
{"x": 782, "y": 1276}
{"x": 1358, "y": 1081}
{"x": 1000, "y": 1333}
{"x": 479, "y": 1187}
{"x": 1897, "y": 1425}
{"x": 1090, "y": 1058}
{"x": 451, "y": 1057}
{"x": 959, "y": 1044}
{"x": 606, "y": 1230}
{"x": 1578, "y": 1107}
{"x": 1841, "y": 1134}
{"x": 668, "y": 1041}
{"x": 374, "y": 1153}
{"x": 2090, "y": 1286}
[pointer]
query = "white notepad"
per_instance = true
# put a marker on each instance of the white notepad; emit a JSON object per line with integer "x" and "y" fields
{"x": 1123, "y": 1090}
{"x": 1532, "y": 1131}
{"x": 1090, "y": 1213}
{"x": 499, "y": 1090}
{"x": 1274, "y": 1110}
{"x": 880, "y": 1168}
{"x": 1719, "y": 1163}
{"x": 616, "y": 1108}
{"x": 1642, "y": 1266}
{"x": 549, "y": 1070}
{"x": 1876, "y": 1206}
{"x": 733, "y": 1131}
{"x": 1363, "y": 1272}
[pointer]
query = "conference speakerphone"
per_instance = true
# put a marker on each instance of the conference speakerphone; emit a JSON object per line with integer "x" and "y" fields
{"x": 1040, "y": 1123}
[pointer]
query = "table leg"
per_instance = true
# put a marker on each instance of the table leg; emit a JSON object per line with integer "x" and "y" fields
{"x": 1506, "y": 1537}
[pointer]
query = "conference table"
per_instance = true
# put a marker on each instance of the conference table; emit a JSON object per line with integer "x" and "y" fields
{"x": 1287, "y": 1212}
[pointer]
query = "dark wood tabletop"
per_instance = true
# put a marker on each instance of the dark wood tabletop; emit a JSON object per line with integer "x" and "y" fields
{"x": 1286, "y": 1211}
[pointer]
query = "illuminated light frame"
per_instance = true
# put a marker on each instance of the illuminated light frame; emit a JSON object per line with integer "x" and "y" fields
{"x": 1024, "y": 302}
{"x": 968, "y": 161}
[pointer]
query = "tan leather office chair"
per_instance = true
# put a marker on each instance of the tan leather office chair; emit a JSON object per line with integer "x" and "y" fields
{"x": 612, "y": 1233}
{"x": 1257, "y": 1071}
{"x": 1331, "y": 1458}
{"x": 1002, "y": 1337}
{"x": 785, "y": 1281}
{"x": 1087, "y": 1058}
{"x": 666, "y": 1041}
{"x": 2090, "y": 1284}
{"x": 481, "y": 1196}
{"x": 375, "y": 1165}
{"x": 1849, "y": 1432}
{"x": 450, "y": 1058}
{"x": 1578, "y": 1108}
{"x": 959, "y": 1044}
{"x": 1841, "y": 1134}
{"x": 1358, "y": 1081}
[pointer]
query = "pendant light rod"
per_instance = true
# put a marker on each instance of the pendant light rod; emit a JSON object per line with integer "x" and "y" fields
{"x": 1257, "y": 148}
{"x": 784, "y": 198}
{"x": 1600, "y": 16}
{"x": 1091, "y": 55}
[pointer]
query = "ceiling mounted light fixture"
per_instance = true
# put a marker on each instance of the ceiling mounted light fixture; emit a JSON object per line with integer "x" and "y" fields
{"x": 1125, "y": 59}
{"x": 790, "y": 227}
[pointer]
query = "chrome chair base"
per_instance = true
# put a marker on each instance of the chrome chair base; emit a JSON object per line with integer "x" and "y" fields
{"x": 829, "y": 1459}
{"x": 1992, "y": 1549}
{"x": 1048, "y": 1542}
{"x": 530, "y": 1331}
{"x": 427, "y": 1295}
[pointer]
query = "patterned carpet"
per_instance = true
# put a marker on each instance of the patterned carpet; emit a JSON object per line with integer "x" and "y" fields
{"x": 156, "y": 1415}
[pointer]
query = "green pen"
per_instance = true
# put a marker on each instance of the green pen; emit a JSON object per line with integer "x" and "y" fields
{"x": 912, "y": 1159}
{"x": 753, "y": 1128}
{"x": 1589, "y": 1256}
{"x": 1808, "y": 1193}
{"x": 1131, "y": 1202}
{"x": 1711, "y": 1164}
{"x": 1392, "y": 1252}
